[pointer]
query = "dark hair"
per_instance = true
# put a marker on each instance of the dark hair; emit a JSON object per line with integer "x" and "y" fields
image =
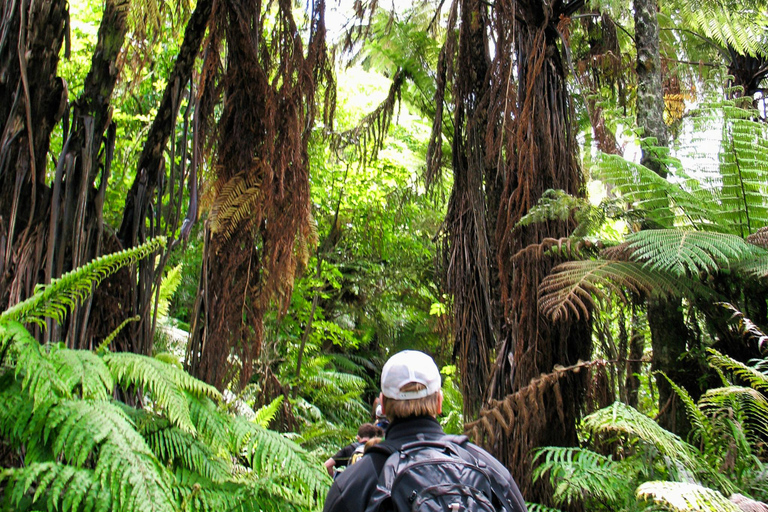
{"x": 368, "y": 430}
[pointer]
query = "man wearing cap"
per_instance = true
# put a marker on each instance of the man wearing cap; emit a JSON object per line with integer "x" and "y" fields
{"x": 411, "y": 398}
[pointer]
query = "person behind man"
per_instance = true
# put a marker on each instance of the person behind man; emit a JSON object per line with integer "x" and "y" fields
{"x": 343, "y": 456}
{"x": 411, "y": 398}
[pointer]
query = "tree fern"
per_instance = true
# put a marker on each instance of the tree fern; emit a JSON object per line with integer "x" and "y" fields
{"x": 83, "y": 451}
{"x": 53, "y": 300}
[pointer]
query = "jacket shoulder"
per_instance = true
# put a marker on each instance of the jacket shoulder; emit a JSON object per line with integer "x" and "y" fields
{"x": 352, "y": 489}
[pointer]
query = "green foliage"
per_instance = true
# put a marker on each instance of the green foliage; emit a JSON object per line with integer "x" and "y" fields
{"x": 729, "y": 429}
{"x": 54, "y": 299}
{"x": 82, "y": 450}
{"x": 706, "y": 219}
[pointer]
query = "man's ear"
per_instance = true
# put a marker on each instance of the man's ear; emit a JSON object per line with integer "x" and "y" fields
{"x": 381, "y": 402}
{"x": 440, "y": 402}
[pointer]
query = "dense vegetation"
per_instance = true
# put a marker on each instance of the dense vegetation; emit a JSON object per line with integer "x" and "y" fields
{"x": 218, "y": 219}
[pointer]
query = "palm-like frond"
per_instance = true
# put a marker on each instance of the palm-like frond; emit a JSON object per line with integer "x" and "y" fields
{"x": 166, "y": 383}
{"x": 570, "y": 287}
{"x": 685, "y": 497}
{"x": 680, "y": 252}
{"x": 741, "y": 29}
{"x": 53, "y": 300}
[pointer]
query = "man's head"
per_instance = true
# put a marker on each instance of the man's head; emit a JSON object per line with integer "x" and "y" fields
{"x": 367, "y": 431}
{"x": 410, "y": 386}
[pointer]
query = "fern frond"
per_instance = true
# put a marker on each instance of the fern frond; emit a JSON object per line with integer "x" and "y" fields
{"x": 267, "y": 452}
{"x": 168, "y": 287}
{"x": 39, "y": 376}
{"x": 83, "y": 430}
{"x": 745, "y": 326}
{"x": 210, "y": 422}
{"x": 267, "y": 413}
{"x": 55, "y": 487}
{"x": 165, "y": 382}
{"x": 569, "y": 288}
{"x": 702, "y": 427}
{"x": 742, "y": 30}
{"x": 538, "y": 507}
{"x": 53, "y": 300}
{"x": 747, "y": 374}
{"x": 578, "y": 475}
{"x": 680, "y": 252}
{"x": 659, "y": 200}
{"x": 21, "y": 423}
{"x": 757, "y": 267}
{"x": 685, "y": 497}
{"x": 104, "y": 345}
{"x": 84, "y": 370}
{"x": 247, "y": 493}
{"x": 236, "y": 201}
{"x": 750, "y": 402}
{"x": 620, "y": 418}
{"x": 181, "y": 449}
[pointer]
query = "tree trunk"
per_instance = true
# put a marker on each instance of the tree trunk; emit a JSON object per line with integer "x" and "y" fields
{"x": 32, "y": 100}
{"x": 512, "y": 141}
{"x": 669, "y": 335}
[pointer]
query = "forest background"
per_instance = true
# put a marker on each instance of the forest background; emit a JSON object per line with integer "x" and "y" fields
{"x": 218, "y": 220}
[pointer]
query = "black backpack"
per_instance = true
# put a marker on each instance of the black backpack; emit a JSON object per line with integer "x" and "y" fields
{"x": 435, "y": 475}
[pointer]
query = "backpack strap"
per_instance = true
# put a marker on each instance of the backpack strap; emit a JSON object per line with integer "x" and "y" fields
{"x": 383, "y": 450}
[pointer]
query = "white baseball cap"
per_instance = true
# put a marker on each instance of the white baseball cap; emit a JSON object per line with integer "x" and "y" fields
{"x": 406, "y": 367}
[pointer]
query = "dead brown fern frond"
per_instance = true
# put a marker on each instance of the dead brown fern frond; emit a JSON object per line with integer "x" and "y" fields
{"x": 571, "y": 287}
{"x": 759, "y": 238}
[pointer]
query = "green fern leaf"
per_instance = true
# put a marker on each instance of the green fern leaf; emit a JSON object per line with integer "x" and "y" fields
{"x": 165, "y": 382}
{"x": 579, "y": 475}
{"x": 104, "y": 345}
{"x": 54, "y": 299}
{"x": 58, "y": 487}
{"x": 747, "y": 374}
{"x": 680, "y": 252}
{"x": 179, "y": 448}
{"x": 84, "y": 370}
{"x": 701, "y": 424}
{"x": 685, "y": 497}
{"x": 267, "y": 413}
